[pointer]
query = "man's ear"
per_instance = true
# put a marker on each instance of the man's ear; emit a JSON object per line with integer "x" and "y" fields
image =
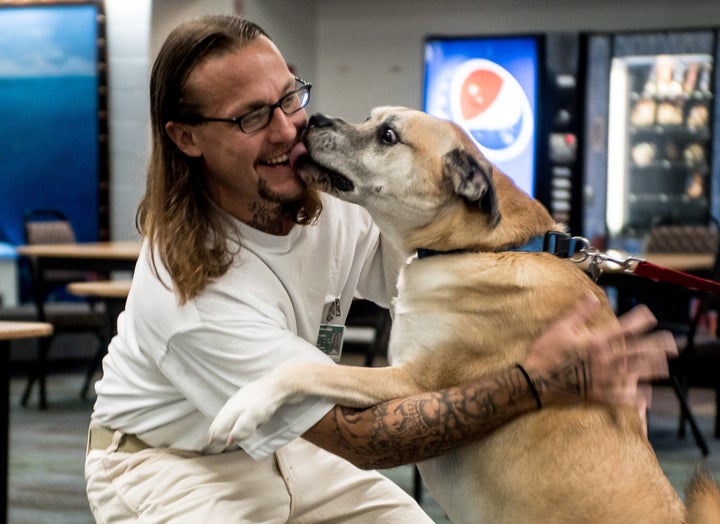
{"x": 184, "y": 138}
{"x": 471, "y": 178}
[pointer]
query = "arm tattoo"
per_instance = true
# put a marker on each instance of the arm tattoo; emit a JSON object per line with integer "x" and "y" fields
{"x": 426, "y": 425}
{"x": 422, "y": 426}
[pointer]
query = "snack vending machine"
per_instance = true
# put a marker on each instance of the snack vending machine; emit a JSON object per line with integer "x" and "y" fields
{"x": 651, "y": 133}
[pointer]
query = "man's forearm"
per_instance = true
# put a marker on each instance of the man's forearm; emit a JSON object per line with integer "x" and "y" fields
{"x": 422, "y": 426}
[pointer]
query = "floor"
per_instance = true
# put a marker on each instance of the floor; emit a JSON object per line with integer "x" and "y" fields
{"x": 47, "y": 449}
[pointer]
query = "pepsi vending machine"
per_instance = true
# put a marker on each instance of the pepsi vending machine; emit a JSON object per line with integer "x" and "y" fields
{"x": 652, "y": 133}
{"x": 519, "y": 99}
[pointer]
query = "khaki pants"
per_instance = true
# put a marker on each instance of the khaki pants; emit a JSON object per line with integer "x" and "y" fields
{"x": 301, "y": 483}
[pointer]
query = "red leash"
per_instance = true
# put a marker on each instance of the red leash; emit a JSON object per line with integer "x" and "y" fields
{"x": 663, "y": 274}
{"x": 579, "y": 249}
{"x": 582, "y": 251}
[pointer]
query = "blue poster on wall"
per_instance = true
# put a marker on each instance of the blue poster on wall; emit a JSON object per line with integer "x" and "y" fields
{"x": 49, "y": 122}
{"x": 489, "y": 86}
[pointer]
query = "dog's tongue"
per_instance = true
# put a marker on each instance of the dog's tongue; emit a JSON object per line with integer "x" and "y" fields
{"x": 297, "y": 152}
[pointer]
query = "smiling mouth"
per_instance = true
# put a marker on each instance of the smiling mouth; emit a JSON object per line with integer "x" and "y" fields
{"x": 281, "y": 160}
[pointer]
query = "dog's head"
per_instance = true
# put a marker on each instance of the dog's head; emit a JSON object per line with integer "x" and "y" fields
{"x": 421, "y": 178}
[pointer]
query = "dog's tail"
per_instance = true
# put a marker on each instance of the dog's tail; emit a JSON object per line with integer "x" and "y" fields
{"x": 702, "y": 496}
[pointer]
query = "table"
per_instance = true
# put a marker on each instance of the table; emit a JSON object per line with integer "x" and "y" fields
{"x": 113, "y": 293}
{"x": 84, "y": 256}
{"x": 111, "y": 289}
{"x": 690, "y": 262}
{"x": 101, "y": 257}
{"x": 11, "y": 331}
{"x": 89, "y": 256}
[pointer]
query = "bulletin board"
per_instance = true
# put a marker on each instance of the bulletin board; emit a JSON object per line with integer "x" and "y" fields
{"x": 53, "y": 95}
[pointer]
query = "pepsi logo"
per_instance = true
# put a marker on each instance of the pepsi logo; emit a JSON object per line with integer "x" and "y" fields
{"x": 492, "y": 107}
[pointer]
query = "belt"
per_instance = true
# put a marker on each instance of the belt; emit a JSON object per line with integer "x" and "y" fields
{"x": 100, "y": 437}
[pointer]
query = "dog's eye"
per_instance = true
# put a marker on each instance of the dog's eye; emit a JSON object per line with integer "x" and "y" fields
{"x": 388, "y": 135}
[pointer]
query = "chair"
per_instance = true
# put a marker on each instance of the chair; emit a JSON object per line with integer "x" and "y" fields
{"x": 683, "y": 238}
{"x": 698, "y": 364}
{"x": 670, "y": 238}
{"x": 689, "y": 316}
{"x": 53, "y": 304}
{"x": 368, "y": 327}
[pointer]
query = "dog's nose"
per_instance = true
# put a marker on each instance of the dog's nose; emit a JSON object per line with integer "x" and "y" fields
{"x": 319, "y": 120}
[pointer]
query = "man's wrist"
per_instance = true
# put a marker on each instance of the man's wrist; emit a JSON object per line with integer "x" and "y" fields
{"x": 530, "y": 384}
{"x": 568, "y": 384}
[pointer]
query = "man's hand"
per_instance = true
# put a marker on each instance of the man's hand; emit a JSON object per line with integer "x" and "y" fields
{"x": 571, "y": 360}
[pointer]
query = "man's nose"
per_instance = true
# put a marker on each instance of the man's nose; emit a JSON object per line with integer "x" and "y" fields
{"x": 282, "y": 125}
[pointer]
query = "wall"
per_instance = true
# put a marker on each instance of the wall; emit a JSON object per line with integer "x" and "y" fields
{"x": 292, "y": 27}
{"x": 128, "y": 33}
{"x": 135, "y": 28}
{"x": 370, "y": 52}
{"x": 279, "y": 18}
{"x": 166, "y": 14}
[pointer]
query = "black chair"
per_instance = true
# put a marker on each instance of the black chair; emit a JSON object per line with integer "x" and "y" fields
{"x": 53, "y": 304}
{"x": 698, "y": 364}
{"x": 368, "y": 328}
{"x": 688, "y": 314}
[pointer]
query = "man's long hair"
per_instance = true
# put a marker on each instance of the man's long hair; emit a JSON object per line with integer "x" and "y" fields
{"x": 176, "y": 215}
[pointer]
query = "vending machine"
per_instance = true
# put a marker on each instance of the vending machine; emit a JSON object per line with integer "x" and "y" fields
{"x": 519, "y": 98}
{"x": 651, "y": 134}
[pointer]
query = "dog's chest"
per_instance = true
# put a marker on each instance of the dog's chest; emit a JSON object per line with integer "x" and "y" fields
{"x": 484, "y": 300}
{"x": 448, "y": 284}
{"x": 448, "y": 298}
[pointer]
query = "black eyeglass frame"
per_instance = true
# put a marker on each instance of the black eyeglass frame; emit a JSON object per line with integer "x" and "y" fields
{"x": 306, "y": 86}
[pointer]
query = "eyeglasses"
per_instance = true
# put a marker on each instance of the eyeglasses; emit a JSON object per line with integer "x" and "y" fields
{"x": 256, "y": 120}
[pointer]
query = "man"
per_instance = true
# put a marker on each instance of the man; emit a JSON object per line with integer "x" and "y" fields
{"x": 240, "y": 267}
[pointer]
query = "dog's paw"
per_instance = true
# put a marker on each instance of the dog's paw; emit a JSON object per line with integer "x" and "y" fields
{"x": 242, "y": 414}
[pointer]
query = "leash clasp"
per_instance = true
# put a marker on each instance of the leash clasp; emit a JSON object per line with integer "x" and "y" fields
{"x": 599, "y": 261}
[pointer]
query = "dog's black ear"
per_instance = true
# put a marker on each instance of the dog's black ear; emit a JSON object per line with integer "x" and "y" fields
{"x": 471, "y": 178}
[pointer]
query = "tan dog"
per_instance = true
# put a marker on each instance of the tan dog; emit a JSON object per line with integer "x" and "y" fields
{"x": 461, "y": 315}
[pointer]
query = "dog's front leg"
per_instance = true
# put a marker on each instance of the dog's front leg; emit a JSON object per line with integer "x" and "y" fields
{"x": 350, "y": 386}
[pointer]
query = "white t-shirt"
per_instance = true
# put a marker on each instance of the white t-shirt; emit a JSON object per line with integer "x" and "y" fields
{"x": 171, "y": 368}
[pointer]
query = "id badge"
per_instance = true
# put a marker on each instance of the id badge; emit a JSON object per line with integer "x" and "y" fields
{"x": 330, "y": 340}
